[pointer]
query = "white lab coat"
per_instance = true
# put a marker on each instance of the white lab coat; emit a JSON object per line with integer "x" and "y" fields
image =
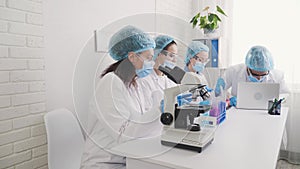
{"x": 201, "y": 76}
{"x": 152, "y": 83}
{"x": 238, "y": 73}
{"x": 115, "y": 117}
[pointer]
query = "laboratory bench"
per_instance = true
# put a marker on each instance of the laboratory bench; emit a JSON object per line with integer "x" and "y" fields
{"x": 247, "y": 139}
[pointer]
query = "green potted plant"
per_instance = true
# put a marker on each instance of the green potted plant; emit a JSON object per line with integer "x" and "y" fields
{"x": 208, "y": 21}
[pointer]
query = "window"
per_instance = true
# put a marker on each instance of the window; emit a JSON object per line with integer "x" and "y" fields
{"x": 273, "y": 24}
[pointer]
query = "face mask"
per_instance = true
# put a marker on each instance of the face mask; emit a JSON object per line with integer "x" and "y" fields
{"x": 253, "y": 79}
{"x": 199, "y": 67}
{"x": 169, "y": 64}
{"x": 146, "y": 70}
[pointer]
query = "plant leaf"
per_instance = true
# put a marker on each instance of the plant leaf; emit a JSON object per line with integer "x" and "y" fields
{"x": 203, "y": 21}
{"x": 195, "y": 23}
{"x": 211, "y": 17}
{"x": 217, "y": 18}
{"x": 214, "y": 25}
{"x": 195, "y": 17}
{"x": 219, "y": 9}
{"x": 194, "y": 20}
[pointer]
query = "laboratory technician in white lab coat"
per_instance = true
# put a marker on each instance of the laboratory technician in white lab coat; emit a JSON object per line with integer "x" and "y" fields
{"x": 165, "y": 54}
{"x": 116, "y": 113}
{"x": 258, "y": 67}
{"x": 196, "y": 59}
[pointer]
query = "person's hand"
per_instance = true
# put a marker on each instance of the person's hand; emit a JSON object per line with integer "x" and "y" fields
{"x": 162, "y": 106}
{"x": 205, "y": 102}
{"x": 232, "y": 101}
{"x": 184, "y": 99}
{"x": 208, "y": 89}
{"x": 220, "y": 83}
{"x": 157, "y": 96}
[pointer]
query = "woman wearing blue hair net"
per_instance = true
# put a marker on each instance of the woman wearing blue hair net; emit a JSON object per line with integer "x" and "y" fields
{"x": 165, "y": 54}
{"x": 117, "y": 112}
{"x": 196, "y": 59}
{"x": 258, "y": 67}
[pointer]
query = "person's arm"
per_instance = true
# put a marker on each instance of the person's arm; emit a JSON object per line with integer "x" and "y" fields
{"x": 228, "y": 75}
{"x": 228, "y": 78}
{"x": 122, "y": 117}
{"x": 283, "y": 87}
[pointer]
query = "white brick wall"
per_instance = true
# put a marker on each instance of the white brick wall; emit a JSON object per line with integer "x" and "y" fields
{"x": 3, "y": 26}
{"x": 2, "y": 2}
{"x": 37, "y": 42}
{"x": 35, "y": 19}
{"x": 29, "y": 143}
{"x": 3, "y": 52}
{"x": 14, "y": 112}
{"x": 24, "y": 52}
{"x": 4, "y": 101}
{"x": 12, "y": 64}
{"x": 25, "y": 76}
{"x": 6, "y": 150}
{"x": 12, "y": 15}
{"x": 35, "y": 163}
{"x": 25, "y": 5}
{"x": 5, "y": 126}
{"x": 15, "y": 159}
{"x": 22, "y": 85}
{"x": 4, "y": 76}
{"x": 29, "y": 98}
{"x": 22, "y": 28}
{"x": 13, "y": 88}
{"x": 37, "y": 108}
{"x": 14, "y": 40}
{"x": 36, "y": 64}
{"x": 28, "y": 121}
{"x": 39, "y": 151}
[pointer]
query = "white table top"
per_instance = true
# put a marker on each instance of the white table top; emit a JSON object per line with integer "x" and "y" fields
{"x": 246, "y": 139}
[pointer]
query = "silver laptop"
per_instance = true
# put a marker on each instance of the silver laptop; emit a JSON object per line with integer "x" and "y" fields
{"x": 256, "y": 95}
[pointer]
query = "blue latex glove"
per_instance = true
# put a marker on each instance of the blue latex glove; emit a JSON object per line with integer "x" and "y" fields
{"x": 205, "y": 102}
{"x": 184, "y": 99}
{"x": 220, "y": 83}
{"x": 162, "y": 107}
{"x": 232, "y": 101}
{"x": 209, "y": 89}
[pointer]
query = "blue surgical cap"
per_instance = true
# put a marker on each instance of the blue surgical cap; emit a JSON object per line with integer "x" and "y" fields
{"x": 193, "y": 49}
{"x": 259, "y": 59}
{"x": 161, "y": 42}
{"x": 129, "y": 39}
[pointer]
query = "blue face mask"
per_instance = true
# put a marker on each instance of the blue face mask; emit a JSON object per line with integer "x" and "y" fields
{"x": 199, "y": 67}
{"x": 253, "y": 79}
{"x": 146, "y": 70}
{"x": 169, "y": 64}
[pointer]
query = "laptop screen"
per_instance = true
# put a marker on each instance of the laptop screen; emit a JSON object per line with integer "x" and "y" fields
{"x": 252, "y": 95}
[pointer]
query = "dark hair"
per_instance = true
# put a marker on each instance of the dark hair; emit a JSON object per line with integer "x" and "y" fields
{"x": 124, "y": 70}
{"x": 187, "y": 64}
{"x": 171, "y": 43}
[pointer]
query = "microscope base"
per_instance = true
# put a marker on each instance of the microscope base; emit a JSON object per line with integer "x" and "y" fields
{"x": 191, "y": 140}
{"x": 185, "y": 146}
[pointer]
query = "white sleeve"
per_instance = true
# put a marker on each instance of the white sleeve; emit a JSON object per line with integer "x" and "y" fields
{"x": 278, "y": 77}
{"x": 119, "y": 113}
{"x": 228, "y": 78}
{"x": 283, "y": 86}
